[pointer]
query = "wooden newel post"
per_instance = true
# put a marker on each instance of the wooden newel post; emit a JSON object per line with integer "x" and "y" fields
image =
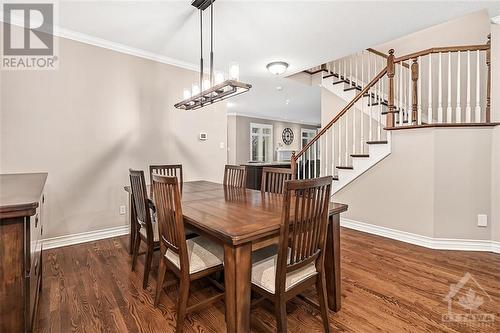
{"x": 488, "y": 84}
{"x": 390, "y": 75}
{"x": 294, "y": 166}
{"x": 414, "y": 79}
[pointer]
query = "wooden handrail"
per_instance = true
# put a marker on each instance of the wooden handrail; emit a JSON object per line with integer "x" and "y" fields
{"x": 383, "y": 55}
{"x": 464, "y": 48}
{"x": 341, "y": 113}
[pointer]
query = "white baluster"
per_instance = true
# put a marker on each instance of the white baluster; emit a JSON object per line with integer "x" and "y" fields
{"x": 419, "y": 91}
{"x": 379, "y": 127}
{"x": 400, "y": 102}
{"x": 325, "y": 152}
{"x": 370, "y": 119}
{"x": 309, "y": 151}
{"x": 449, "y": 110}
{"x": 350, "y": 71}
{"x": 440, "y": 91}
{"x": 315, "y": 158}
{"x": 346, "y": 137}
{"x": 354, "y": 129}
{"x": 429, "y": 107}
{"x": 303, "y": 165}
{"x": 356, "y": 70}
{"x": 477, "y": 109}
{"x": 410, "y": 107}
{"x": 339, "y": 150}
{"x": 362, "y": 104}
{"x": 458, "y": 109}
{"x": 333, "y": 150}
{"x": 468, "y": 111}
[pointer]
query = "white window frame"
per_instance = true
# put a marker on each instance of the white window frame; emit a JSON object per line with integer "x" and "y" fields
{"x": 309, "y": 131}
{"x": 270, "y": 153}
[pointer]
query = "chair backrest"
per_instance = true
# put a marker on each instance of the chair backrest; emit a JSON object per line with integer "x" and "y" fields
{"x": 166, "y": 170}
{"x": 273, "y": 179}
{"x": 141, "y": 201}
{"x": 235, "y": 175}
{"x": 304, "y": 221}
{"x": 170, "y": 219}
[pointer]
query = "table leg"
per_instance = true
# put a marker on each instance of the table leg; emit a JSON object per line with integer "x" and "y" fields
{"x": 332, "y": 264}
{"x": 237, "y": 270}
{"x": 133, "y": 227}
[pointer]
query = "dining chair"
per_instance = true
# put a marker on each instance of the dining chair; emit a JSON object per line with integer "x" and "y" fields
{"x": 273, "y": 179}
{"x": 147, "y": 228}
{"x": 235, "y": 175}
{"x": 166, "y": 170}
{"x": 189, "y": 259}
{"x": 283, "y": 272}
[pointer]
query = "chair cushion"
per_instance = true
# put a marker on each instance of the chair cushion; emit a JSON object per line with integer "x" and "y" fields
{"x": 202, "y": 254}
{"x": 264, "y": 262}
{"x": 156, "y": 234}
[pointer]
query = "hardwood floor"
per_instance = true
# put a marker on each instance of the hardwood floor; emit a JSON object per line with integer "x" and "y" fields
{"x": 388, "y": 286}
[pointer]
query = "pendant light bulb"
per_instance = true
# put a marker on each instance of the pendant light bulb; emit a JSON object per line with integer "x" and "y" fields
{"x": 234, "y": 71}
{"x": 195, "y": 89}
{"x": 186, "y": 94}
{"x": 219, "y": 78}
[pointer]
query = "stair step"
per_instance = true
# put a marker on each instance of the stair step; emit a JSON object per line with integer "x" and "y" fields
{"x": 335, "y": 177}
{"x": 376, "y": 103}
{"x": 340, "y": 81}
{"x": 360, "y": 155}
{"x": 382, "y": 142}
{"x": 353, "y": 88}
{"x": 328, "y": 75}
{"x": 343, "y": 167}
{"x": 387, "y": 112}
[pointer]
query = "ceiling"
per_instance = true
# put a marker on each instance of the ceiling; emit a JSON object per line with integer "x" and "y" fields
{"x": 254, "y": 33}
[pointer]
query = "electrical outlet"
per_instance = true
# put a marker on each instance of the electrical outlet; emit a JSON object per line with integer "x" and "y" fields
{"x": 221, "y": 145}
{"x": 123, "y": 210}
{"x": 482, "y": 220}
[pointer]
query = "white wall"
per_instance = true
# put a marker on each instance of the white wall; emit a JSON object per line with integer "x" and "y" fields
{"x": 99, "y": 114}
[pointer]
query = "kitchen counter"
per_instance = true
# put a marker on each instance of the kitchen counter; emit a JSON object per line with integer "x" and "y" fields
{"x": 254, "y": 172}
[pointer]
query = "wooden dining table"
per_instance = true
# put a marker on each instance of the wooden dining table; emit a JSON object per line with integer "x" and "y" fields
{"x": 242, "y": 221}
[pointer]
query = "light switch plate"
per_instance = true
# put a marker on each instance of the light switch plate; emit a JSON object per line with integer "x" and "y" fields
{"x": 123, "y": 210}
{"x": 482, "y": 220}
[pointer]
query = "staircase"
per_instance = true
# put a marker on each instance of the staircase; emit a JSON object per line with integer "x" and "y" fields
{"x": 436, "y": 87}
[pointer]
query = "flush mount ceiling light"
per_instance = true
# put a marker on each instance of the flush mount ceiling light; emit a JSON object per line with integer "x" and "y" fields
{"x": 277, "y": 67}
{"x": 214, "y": 88}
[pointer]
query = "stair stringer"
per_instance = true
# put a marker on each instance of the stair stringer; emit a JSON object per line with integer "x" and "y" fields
{"x": 376, "y": 152}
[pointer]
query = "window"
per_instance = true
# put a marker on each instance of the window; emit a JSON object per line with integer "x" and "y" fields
{"x": 261, "y": 142}
{"x": 306, "y": 135}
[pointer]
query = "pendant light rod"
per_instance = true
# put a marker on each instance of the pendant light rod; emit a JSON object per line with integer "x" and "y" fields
{"x": 211, "y": 43}
{"x": 201, "y": 50}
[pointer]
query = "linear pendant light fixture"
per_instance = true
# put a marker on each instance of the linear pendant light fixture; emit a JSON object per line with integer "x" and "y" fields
{"x": 214, "y": 89}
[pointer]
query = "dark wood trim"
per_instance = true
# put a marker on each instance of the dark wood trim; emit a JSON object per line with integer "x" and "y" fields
{"x": 463, "y": 48}
{"x": 383, "y": 55}
{"x": 442, "y": 126}
{"x": 381, "y": 142}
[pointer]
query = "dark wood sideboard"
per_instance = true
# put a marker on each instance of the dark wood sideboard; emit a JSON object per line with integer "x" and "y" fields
{"x": 254, "y": 172}
{"x": 21, "y": 228}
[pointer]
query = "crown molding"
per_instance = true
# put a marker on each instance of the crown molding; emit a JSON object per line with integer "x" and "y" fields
{"x": 107, "y": 44}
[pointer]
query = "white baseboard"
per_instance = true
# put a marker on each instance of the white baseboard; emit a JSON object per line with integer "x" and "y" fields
{"x": 425, "y": 241}
{"x": 89, "y": 236}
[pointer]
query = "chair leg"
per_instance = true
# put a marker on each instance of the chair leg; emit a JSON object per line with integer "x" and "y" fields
{"x": 161, "y": 279}
{"x": 182, "y": 305}
{"x": 321, "y": 291}
{"x": 147, "y": 265}
{"x": 137, "y": 245}
{"x": 280, "y": 308}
